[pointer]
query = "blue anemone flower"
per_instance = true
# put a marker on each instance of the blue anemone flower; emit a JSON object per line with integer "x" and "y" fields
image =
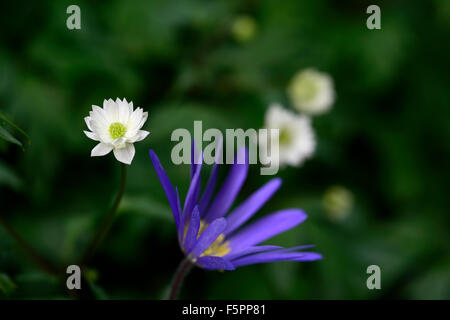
{"x": 214, "y": 238}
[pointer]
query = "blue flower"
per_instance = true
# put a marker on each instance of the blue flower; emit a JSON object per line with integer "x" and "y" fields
{"x": 216, "y": 239}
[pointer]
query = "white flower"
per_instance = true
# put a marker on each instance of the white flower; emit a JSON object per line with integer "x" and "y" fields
{"x": 338, "y": 202}
{"x": 116, "y": 126}
{"x": 311, "y": 91}
{"x": 296, "y": 136}
{"x": 244, "y": 28}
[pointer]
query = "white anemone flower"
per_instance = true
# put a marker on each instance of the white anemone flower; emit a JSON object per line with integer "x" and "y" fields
{"x": 296, "y": 137}
{"x": 116, "y": 126}
{"x": 311, "y": 91}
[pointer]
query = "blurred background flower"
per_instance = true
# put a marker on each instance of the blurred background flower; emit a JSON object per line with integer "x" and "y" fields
{"x": 296, "y": 139}
{"x": 244, "y": 28}
{"x": 385, "y": 139}
{"x": 311, "y": 92}
{"x": 337, "y": 202}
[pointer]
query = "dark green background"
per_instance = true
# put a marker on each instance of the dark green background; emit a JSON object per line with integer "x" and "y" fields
{"x": 386, "y": 139}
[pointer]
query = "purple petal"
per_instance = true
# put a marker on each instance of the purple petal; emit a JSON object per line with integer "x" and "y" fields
{"x": 181, "y": 218}
{"x": 257, "y": 249}
{"x": 276, "y": 256}
{"x": 266, "y": 228}
{"x": 192, "y": 232}
{"x": 207, "y": 194}
{"x": 167, "y": 186}
{"x": 191, "y": 200}
{"x": 251, "y": 250}
{"x": 193, "y": 164}
{"x": 230, "y": 189}
{"x": 215, "y": 263}
{"x": 208, "y": 237}
{"x": 249, "y": 207}
{"x": 204, "y": 202}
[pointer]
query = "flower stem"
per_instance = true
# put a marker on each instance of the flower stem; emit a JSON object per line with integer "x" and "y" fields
{"x": 38, "y": 259}
{"x": 182, "y": 271}
{"x": 109, "y": 220}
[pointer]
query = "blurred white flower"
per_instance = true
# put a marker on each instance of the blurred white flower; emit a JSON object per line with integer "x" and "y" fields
{"x": 244, "y": 28}
{"x": 338, "y": 202}
{"x": 311, "y": 91}
{"x": 116, "y": 126}
{"x": 296, "y": 135}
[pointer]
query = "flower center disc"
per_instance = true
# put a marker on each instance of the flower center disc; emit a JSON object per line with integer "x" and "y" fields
{"x": 117, "y": 130}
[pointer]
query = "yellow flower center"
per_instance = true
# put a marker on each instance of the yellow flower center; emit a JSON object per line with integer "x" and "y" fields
{"x": 285, "y": 136}
{"x": 117, "y": 130}
{"x": 218, "y": 248}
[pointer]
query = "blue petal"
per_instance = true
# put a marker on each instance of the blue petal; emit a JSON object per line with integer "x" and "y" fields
{"x": 208, "y": 237}
{"x": 167, "y": 186}
{"x": 251, "y": 250}
{"x": 193, "y": 192}
{"x": 207, "y": 194}
{"x": 192, "y": 232}
{"x": 230, "y": 189}
{"x": 249, "y": 207}
{"x": 266, "y": 228}
{"x": 215, "y": 263}
{"x": 276, "y": 256}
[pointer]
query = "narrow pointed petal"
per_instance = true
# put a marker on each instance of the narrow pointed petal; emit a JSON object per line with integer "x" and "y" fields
{"x": 112, "y": 110}
{"x": 251, "y": 250}
{"x": 215, "y": 263}
{"x": 123, "y": 111}
{"x": 126, "y": 154}
{"x": 168, "y": 188}
{"x": 208, "y": 237}
{"x": 87, "y": 120}
{"x": 211, "y": 185}
{"x": 230, "y": 189}
{"x": 276, "y": 256}
{"x": 180, "y": 219}
{"x": 191, "y": 199}
{"x": 101, "y": 149}
{"x": 192, "y": 231}
{"x": 249, "y": 207}
{"x": 193, "y": 163}
{"x": 209, "y": 190}
{"x": 91, "y": 135}
{"x": 140, "y": 135}
{"x": 266, "y": 228}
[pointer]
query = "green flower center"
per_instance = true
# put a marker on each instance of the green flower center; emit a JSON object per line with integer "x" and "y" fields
{"x": 285, "y": 136}
{"x": 307, "y": 88}
{"x": 117, "y": 130}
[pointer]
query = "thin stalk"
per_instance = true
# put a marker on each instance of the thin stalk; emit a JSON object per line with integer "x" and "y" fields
{"x": 181, "y": 273}
{"x": 37, "y": 258}
{"x": 103, "y": 231}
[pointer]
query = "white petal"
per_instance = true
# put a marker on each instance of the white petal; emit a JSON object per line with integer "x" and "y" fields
{"x": 141, "y": 135}
{"x": 91, "y": 135}
{"x": 88, "y": 122}
{"x": 112, "y": 110}
{"x": 124, "y": 115}
{"x": 101, "y": 149}
{"x": 125, "y": 154}
{"x": 99, "y": 114}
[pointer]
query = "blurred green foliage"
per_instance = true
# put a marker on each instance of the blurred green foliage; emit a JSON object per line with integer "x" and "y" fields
{"x": 386, "y": 140}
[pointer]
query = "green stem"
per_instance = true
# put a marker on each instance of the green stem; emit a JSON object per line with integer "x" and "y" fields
{"x": 38, "y": 259}
{"x": 102, "y": 232}
{"x": 182, "y": 271}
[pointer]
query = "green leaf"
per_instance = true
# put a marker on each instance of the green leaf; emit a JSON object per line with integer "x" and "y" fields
{"x": 4, "y": 134}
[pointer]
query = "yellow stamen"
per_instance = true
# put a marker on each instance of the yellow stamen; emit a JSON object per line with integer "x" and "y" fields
{"x": 117, "y": 130}
{"x": 218, "y": 248}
